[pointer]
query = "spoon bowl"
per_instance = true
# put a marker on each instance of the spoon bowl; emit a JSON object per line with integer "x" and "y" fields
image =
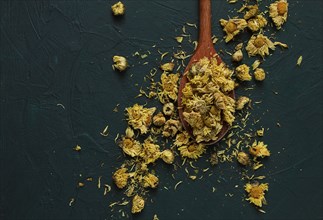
{"x": 205, "y": 48}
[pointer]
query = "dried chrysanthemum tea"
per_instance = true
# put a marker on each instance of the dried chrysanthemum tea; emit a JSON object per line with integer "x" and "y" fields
{"x": 169, "y": 87}
{"x": 259, "y": 44}
{"x": 232, "y": 27}
{"x": 120, "y": 177}
{"x": 171, "y": 128}
{"x": 159, "y": 119}
{"x": 118, "y": 8}
{"x": 139, "y": 117}
{"x": 130, "y": 146}
{"x": 259, "y": 149}
{"x": 237, "y": 56}
{"x": 242, "y": 73}
{"x": 150, "y": 151}
{"x": 260, "y": 132}
{"x": 252, "y": 11}
{"x": 255, "y": 64}
{"x": 138, "y": 203}
{"x": 241, "y": 102}
{"x": 278, "y": 11}
{"x": 182, "y": 138}
{"x": 256, "y": 193}
{"x": 259, "y": 74}
{"x": 206, "y": 102}
{"x": 168, "y": 108}
{"x": 167, "y": 156}
{"x": 243, "y": 158}
{"x": 257, "y": 23}
{"x": 192, "y": 150}
{"x": 120, "y": 63}
{"x": 150, "y": 180}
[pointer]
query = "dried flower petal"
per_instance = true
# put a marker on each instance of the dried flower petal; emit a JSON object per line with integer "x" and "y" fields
{"x": 168, "y": 67}
{"x": 252, "y": 11}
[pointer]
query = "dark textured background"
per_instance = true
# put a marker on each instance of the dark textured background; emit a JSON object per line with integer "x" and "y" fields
{"x": 60, "y": 52}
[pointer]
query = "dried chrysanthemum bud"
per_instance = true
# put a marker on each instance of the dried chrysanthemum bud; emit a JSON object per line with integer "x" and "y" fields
{"x": 168, "y": 109}
{"x": 120, "y": 63}
{"x": 241, "y": 102}
{"x": 260, "y": 74}
{"x": 242, "y": 72}
{"x": 150, "y": 180}
{"x": 118, "y": 8}
{"x": 120, "y": 177}
{"x": 237, "y": 56}
{"x": 167, "y": 156}
{"x": 261, "y": 132}
{"x": 138, "y": 203}
{"x": 129, "y": 132}
{"x": 243, "y": 158}
{"x": 159, "y": 119}
{"x": 168, "y": 67}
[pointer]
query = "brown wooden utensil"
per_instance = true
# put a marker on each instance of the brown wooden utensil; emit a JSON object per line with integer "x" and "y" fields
{"x": 205, "y": 48}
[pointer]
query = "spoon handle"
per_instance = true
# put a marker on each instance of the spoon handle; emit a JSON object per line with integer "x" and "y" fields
{"x": 205, "y": 23}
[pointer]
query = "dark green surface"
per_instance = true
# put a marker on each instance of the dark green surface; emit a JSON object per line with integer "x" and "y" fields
{"x": 60, "y": 52}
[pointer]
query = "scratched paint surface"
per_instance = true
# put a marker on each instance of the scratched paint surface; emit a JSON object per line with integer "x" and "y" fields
{"x": 58, "y": 90}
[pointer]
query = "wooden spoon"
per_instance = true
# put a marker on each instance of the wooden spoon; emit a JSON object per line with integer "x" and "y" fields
{"x": 204, "y": 49}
